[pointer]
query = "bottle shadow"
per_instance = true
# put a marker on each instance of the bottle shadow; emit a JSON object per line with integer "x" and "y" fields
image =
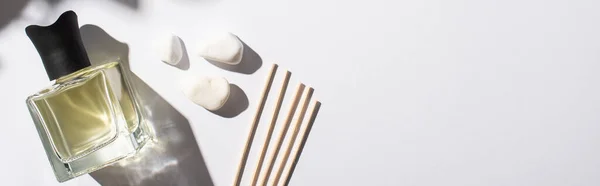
{"x": 249, "y": 63}
{"x": 132, "y": 4}
{"x": 10, "y": 10}
{"x": 173, "y": 157}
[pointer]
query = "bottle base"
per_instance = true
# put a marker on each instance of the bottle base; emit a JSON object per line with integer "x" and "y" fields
{"x": 124, "y": 146}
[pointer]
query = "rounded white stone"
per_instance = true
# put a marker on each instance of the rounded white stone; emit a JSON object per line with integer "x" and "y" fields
{"x": 208, "y": 92}
{"x": 222, "y": 47}
{"x": 170, "y": 49}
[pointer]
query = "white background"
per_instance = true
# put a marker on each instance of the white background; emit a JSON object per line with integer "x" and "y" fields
{"x": 413, "y": 92}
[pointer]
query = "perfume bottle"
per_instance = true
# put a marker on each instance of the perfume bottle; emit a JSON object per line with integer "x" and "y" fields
{"x": 89, "y": 117}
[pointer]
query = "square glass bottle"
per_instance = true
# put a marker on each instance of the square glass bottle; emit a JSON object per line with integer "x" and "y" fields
{"x": 89, "y": 117}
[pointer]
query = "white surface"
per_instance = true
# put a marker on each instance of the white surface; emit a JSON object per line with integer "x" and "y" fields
{"x": 414, "y": 92}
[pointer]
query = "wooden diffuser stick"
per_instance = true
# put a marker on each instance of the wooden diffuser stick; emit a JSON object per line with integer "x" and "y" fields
{"x": 297, "y": 125}
{"x": 284, "y": 129}
{"x": 255, "y": 121}
{"x": 272, "y": 124}
{"x": 304, "y": 137}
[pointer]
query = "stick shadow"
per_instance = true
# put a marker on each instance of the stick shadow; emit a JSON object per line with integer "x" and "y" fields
{"x": 173, "y": 157}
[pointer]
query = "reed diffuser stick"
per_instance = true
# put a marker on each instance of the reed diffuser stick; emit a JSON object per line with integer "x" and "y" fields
{"x": 284, "y": 129}
{"x": 297, "y": 125}
{"x": 255, "y": 121}
{"x": 272, "y": 124}
{"x": 304, "y": 137}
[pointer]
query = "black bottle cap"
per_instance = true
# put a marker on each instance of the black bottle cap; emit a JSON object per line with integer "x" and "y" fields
{"x": 60, "y": 45}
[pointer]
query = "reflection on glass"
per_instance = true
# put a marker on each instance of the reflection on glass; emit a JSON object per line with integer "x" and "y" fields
{"x": 88, "y": 119}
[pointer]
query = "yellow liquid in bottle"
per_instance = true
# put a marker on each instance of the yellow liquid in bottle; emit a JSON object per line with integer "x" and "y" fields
{"x": 86, "y": 115}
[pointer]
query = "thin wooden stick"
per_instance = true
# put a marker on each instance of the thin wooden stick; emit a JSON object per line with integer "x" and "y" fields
{"x": 255, "y": 121}
{"x": 286, "y": 155}
{"x": 265, "y": 147}
{"x": 305, "y": 134}
{"x": 284, "y": 129}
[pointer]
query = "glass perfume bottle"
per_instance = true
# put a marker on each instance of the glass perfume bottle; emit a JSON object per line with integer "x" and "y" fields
{"x": 89, "y": 117}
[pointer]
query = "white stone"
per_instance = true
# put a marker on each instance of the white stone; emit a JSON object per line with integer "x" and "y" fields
{"x": 170, "y": 49}
{"x": 208, "y": 92}
{"x": 223, "y": 47}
